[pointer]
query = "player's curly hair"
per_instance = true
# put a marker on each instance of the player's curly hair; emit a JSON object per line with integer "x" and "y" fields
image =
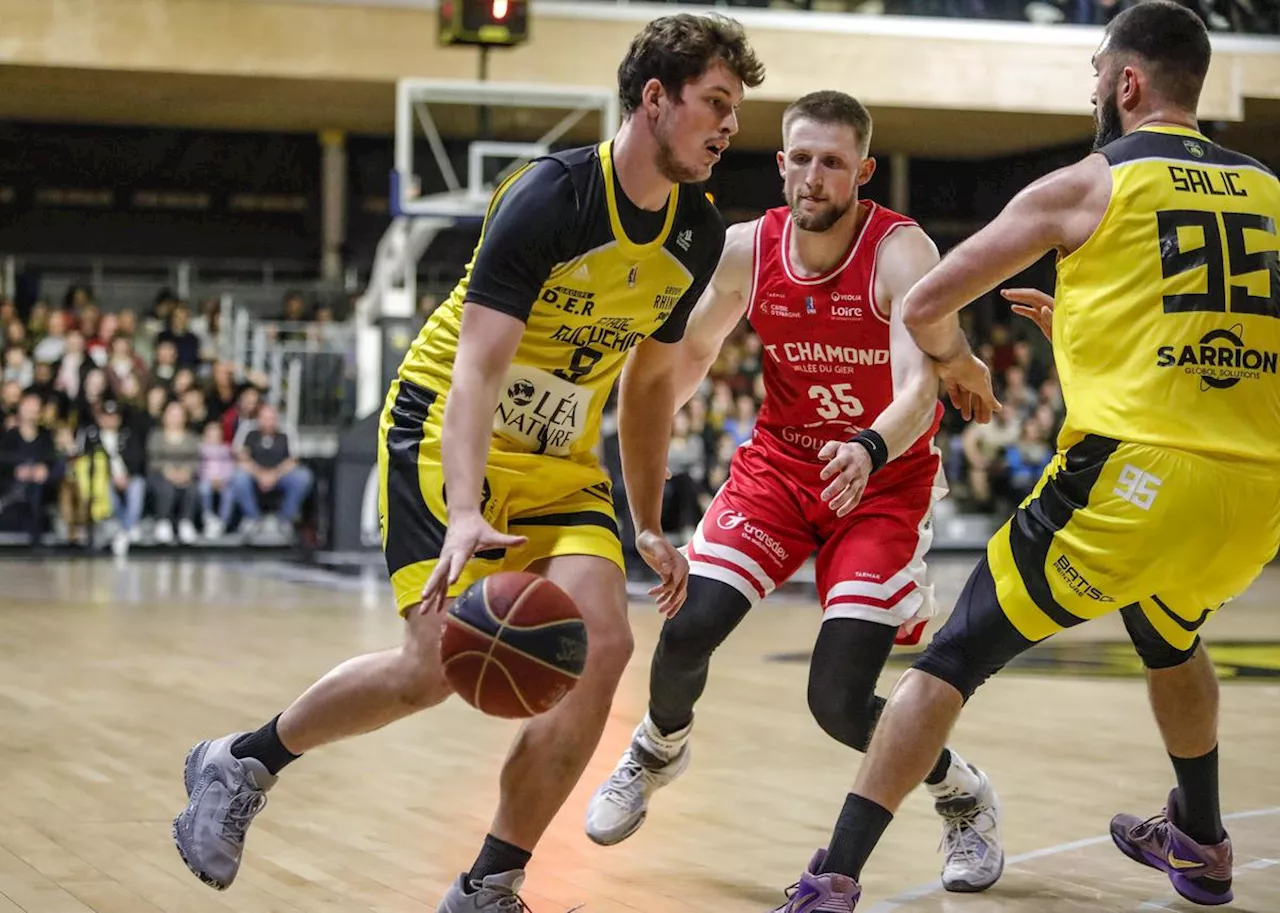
{"x": 676, "y": 49}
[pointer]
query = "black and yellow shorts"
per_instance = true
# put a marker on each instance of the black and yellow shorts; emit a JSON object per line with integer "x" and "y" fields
{"x": 1164, "y": 536}
{"x": 561, "y": 505}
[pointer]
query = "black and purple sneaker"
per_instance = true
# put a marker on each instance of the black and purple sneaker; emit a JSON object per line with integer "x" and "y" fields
{"x": 829, "y": 892}
{"x": 1201, "y": 874}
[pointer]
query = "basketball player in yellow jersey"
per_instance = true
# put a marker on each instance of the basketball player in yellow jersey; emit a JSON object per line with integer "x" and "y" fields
{"x": 588, "y": 264}
{"x": 1162, "y": 501}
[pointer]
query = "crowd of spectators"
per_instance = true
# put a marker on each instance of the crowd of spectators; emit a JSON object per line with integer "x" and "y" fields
{"x": 133, "y": 428}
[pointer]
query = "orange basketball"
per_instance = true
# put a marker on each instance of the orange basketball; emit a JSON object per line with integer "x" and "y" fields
{"x": 514, "y": 645}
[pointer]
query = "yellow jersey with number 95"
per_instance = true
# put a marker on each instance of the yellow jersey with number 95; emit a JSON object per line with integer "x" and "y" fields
{"x": 1166, "y": 328}
{"x": 591, "y": 274}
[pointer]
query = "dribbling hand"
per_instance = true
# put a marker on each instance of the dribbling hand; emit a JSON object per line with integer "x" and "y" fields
{"x": 850, "y": 464}
{"x": 465, "y": 535}
{"x": 1033, "y": 304}
{"x": 669, "y": 565}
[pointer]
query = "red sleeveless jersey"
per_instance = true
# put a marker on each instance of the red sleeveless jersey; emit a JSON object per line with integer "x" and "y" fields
{"x": 827, "y": 366}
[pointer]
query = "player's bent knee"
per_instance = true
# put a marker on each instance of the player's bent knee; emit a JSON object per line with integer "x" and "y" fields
{"x": 847, "y": 717}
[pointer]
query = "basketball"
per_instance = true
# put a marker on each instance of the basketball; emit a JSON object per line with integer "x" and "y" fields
{"x": 514, "y": 645}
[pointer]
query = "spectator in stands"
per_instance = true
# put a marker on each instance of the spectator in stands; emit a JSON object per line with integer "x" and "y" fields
{"x": 15, "y": 334}
{"x": 125, "y": 362}
{"x": 743, "y": 421}
{"x": 266, "y": 461}
{"x": 28, "y": 463}
{"x": 18, "y": 367}
{"x": 245, "y": 410}
{"x": 98, "y": 345}
{"x": 186, "y": 344}
{"x": 8, "y": 312}
{"x": 125, "y": 449}
{"x": 73, "y": 367}
{"x": 687, "y": 463}
{"x": 53, "y": 343}
{"x": 984, "y": 448}
{"x": 165, "y": 365}
{"x": 38, "y": 321}
{"x": 197, "y": 412}
{"x": 183, "y": 381}
{"x": 173, "y": 463}
{"x": 88, "y": 321}
{"x": 10, "y": 397}
{"x": 222, "y": 393}
{"x": 1017, "y": 395}
{"x": 1027, "y": 459}
{"x": 156, "y": 400}
{"x": 217, "y": 465}
{"x": 93, "y": 390}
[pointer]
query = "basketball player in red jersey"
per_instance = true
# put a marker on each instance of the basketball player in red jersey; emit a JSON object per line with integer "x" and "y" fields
{"x": 841, "y": 461}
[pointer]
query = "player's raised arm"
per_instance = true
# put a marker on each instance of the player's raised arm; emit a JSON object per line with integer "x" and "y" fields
{"x": 716, "y": 313}
{"x": 1057, "y": 212}
{"x": 904, "y": 258}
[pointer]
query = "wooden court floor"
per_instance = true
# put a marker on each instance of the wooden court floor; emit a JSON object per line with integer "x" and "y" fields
{"x": 110, "y": 671}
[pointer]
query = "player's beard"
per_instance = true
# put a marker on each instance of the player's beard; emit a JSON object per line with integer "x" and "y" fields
{"x": 1106, "y": 118}
{"x": 669, "y": 166}
{"x": 822, "y": 220}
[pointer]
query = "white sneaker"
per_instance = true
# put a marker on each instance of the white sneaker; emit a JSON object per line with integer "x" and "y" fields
{"x": 164, "y": 532}
{"x": 973, "y": 855}
{"x": 120, "y": 544}
{"x": 187, "y": 534}
{"x": 212, "y": 527}
{"x": 653, "y": 760}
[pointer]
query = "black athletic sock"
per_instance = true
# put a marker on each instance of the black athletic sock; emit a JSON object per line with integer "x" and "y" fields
{"x": 858, "y": 830}
{"x": 1198, "y": 815}
{"x": 265, "y": 746}
{"x": 497, "y": 856}
{"x": 939, "y": 772}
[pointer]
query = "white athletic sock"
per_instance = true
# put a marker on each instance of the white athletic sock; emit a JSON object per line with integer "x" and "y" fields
{"x": 665, "y": 747}
{"x": 960, "y": 780}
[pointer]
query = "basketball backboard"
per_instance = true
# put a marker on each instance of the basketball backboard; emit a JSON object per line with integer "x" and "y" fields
{"x": 506, "y": 125}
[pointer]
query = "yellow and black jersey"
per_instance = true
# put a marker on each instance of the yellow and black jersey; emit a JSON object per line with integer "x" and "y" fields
{"x": 591, "y": 274}
{"x": 1166, "y": 329}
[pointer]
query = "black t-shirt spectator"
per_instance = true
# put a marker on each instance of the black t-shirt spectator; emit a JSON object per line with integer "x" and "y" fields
{"x": 16, "y": 450}
{"x": 187, "y": 344}
{"x": 267, "y": 450}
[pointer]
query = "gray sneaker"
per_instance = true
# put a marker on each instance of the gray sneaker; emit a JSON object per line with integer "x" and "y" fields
{"x": 225, "y": 794}
{"x": 650, "y": 762}
{"x": 492, "y": 894}
{"x": 973, "y": 856}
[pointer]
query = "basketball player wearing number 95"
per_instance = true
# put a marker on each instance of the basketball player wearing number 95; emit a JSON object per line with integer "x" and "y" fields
{"x": 588, "y": 264}
{"x": 1161, "y": 501}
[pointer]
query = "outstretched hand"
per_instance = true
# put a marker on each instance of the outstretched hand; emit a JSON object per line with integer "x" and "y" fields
{"x": 1033, "y": 304}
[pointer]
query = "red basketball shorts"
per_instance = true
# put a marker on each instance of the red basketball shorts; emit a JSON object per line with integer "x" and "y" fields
{"x": 769, "y": 517}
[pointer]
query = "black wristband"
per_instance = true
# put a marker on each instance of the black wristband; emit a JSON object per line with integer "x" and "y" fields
{"x": 875, "y": 446}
